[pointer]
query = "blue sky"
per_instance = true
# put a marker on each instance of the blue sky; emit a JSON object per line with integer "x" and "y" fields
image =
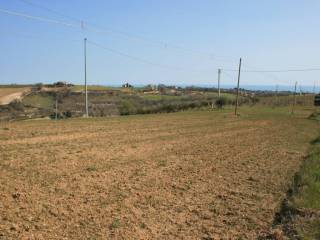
{"x": 184, "y": 42}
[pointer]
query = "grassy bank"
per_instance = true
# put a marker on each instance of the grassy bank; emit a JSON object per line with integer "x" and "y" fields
{"x": 306, "y": 195}
{"x": 299, "y": 215}
{"x": 307, "y": 192}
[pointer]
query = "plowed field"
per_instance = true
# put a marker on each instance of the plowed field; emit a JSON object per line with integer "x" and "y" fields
{"x": 188, "y": 175}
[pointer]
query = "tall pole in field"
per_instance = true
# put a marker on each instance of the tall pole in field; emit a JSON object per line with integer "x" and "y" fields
{"x": 56, "y": 115}
{"x": 300, "y": 90}
{"x": 56, "y": 110}
{"x": 85, "y": 76}
{"x": 219, "y": 73}
{"x": 237, "y": 99}
{"x": 295, "y": 98}
{"x": 277, "y": 100}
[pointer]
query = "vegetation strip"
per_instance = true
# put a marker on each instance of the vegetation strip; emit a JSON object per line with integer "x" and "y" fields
{"x": 299, "y": 215}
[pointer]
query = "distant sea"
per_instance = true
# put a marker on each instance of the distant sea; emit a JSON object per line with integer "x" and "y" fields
{"x": 308, "y": 89}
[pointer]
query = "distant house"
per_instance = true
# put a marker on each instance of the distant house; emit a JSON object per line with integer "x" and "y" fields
{"x": 127, "y": 85}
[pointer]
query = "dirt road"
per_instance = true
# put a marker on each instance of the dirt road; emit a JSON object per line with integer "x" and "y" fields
{"x": 7, "y": 95}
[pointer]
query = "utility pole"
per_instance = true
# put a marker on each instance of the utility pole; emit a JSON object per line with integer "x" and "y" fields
{"x": 219, "y": 73}
{"x": 237, "y": 99}
{"x": 295, "y": 98}
{"x": 56, "y": 103}
{"x": 85, "y": 76}
{"x": 56, "y": 106}
{"x": 277, "y": 99}
{"x": 314, "y": 87}
{"x": 300, "y": 90}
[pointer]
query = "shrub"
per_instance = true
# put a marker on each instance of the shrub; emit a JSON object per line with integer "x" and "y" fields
{"x": 38, "y": 86}
{"x": 221, "y": 101}
{"x": 127, "y": 107}
{"x": 67, "y": 114}
{"x": 17, "y": 105}
{"x": 53, "y": 116}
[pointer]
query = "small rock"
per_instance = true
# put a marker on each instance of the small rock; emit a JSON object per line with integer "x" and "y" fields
{"x": 26, "y": 228}
{"x": 13, "y": 227}
{"x": 15, "y": 195}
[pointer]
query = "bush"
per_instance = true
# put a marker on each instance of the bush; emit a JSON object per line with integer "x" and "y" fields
{"x": 17, "y": 105}
{"x": 53, "y": 116}
{"x": 254, "y": 100}
{"x": 67, "y": 114}
{"x": 127, "y": 107}
{"x": 38, "y": 86}
{"x": 221, "y": 101}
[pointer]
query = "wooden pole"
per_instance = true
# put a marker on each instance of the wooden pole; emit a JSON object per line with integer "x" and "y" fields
{"x": 56, "y": 106}
{"x": 85, "y": 77}
{"x": 219, "y": 73}
{"x": 56, "y": 110}
{"x": 277, "y": 89}
{"x": 294, "y": 98}
{"x": 277, "y": 99}
{"x": 237, "y": 99}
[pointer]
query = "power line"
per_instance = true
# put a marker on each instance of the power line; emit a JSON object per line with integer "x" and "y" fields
{"x": 228, "y": 75}
{"x": 41, "y": 19}
{"x": 107, "y": 49}
{"x": 269, "y": 75}
{"x": 287, "y": 70}
{"x": 265, "y": 74}
{"x": 163, "y": 44}
{"x": 134, "y": 57}
{"x": 40, "y": 37}
{"x": 50, "y": 10}
{"x": 48, "y": 20}
{"x": 80, "y": 24}
{"x": 276, "y": 71}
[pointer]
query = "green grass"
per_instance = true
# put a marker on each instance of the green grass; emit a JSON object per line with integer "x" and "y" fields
{"x": 115, "y": 224}
{"x": 40, "y": 101}
{"x": 91, "y": 168}
{"x": 306, "y": 194}
{"x": 226, "y": 95}
{"x": 315, "y": 115}
{"x": 156, "y": 97}
{"x": 287, "y": 100}
{"x": 310, "y": 230}
{"x": 308, "y": 180}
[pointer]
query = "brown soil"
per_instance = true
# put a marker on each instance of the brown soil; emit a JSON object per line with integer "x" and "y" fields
{"x": 7, "y": 95}
{"x": 192, "y": 175}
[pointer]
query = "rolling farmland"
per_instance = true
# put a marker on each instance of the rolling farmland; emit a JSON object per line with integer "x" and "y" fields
{"x": 186, "y": 175}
